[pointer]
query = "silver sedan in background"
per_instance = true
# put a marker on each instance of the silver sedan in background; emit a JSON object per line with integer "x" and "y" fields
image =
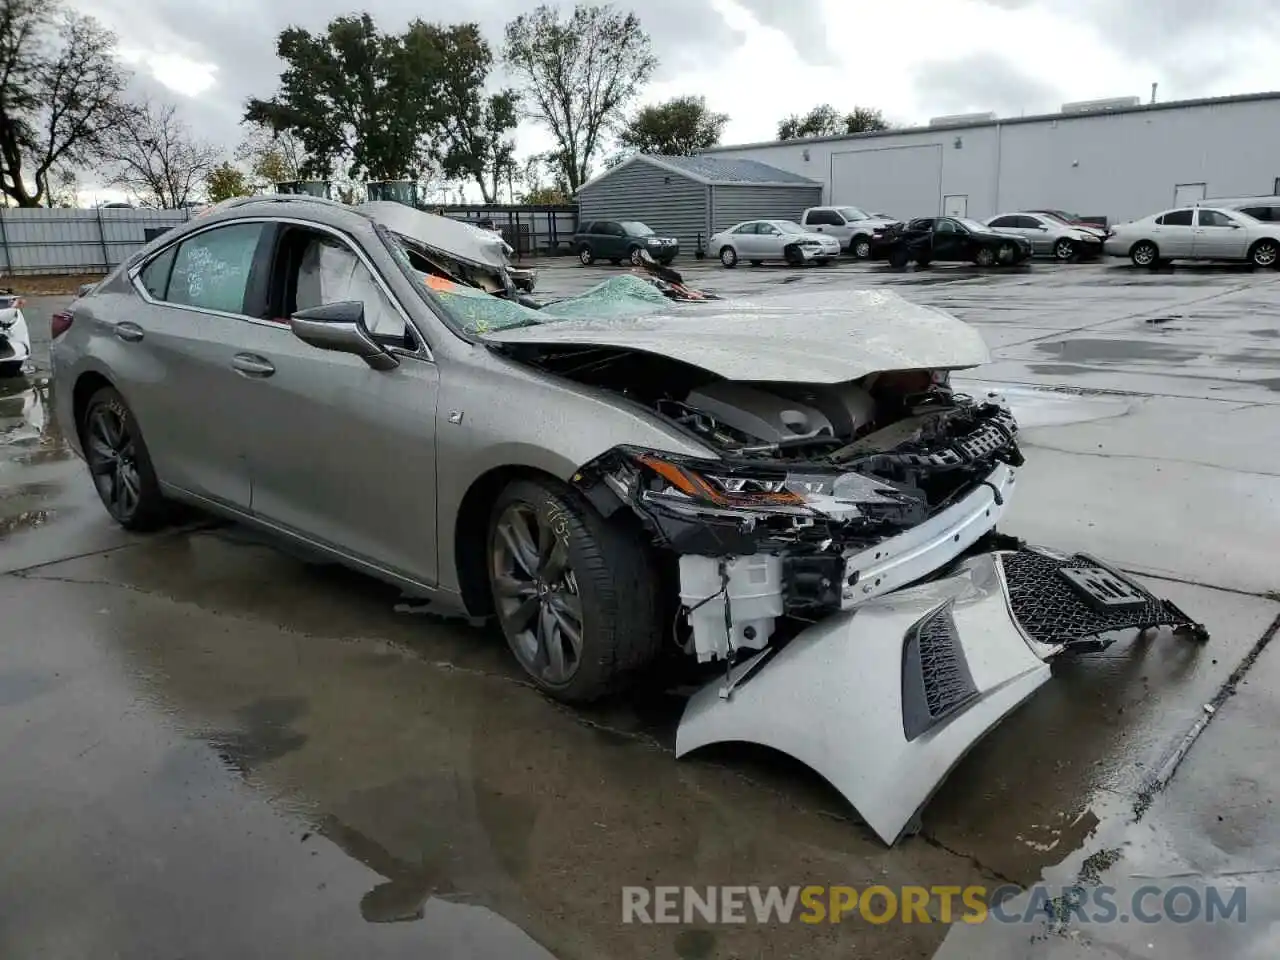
{"x": 1049, "y": 236}
{"x": 759, "y": 240}
{"x": 1196, "y": 233}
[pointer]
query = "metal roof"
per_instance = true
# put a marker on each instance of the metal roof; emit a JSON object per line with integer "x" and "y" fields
{"x": 710, "y": 152}
{"x": 714, "y": 171}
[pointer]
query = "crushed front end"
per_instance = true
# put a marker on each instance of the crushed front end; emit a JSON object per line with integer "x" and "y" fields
{"x": 839, "y": 562}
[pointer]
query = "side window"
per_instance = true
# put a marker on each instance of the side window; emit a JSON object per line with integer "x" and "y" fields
{"x": 211, "y": 269}
{"x": 826, "y": 218}
{"x": 330, "y": 272}
{"x": 944, "y": 226}
{"x": 1214, "y": 218}
{"x": 1177, "y": 218}
{"x": 588, "y": 227}
{"x": 155, "y": 275}
{"x": 1006, "y": 222}
{"x": 1260, "y": 213}
{"x": 1028, "y": 223}
{"x": 747, "y": 228}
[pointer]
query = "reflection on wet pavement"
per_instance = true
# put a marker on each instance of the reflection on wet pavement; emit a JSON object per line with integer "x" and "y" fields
{"x": 217, "y": 748}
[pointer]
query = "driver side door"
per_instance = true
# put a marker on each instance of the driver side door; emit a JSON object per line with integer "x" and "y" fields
{"x": 339, "y": 453}
{"x": 769, "y": 241}
{"x": 949, "y": 241}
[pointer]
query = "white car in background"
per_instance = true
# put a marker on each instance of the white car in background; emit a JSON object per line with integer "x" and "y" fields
{"x": 1049, "y": 236}
{"x": 858, "y": 231}
{"x": 1196, "y": 233}
{"x": 759, "y": 240}
{"x": 15, "y": 338}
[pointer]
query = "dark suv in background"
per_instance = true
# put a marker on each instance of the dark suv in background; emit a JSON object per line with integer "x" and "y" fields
{"x": 618, "y": 240}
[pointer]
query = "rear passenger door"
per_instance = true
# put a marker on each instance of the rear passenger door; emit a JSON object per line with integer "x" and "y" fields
{"x": 177, "y": 356}
{"x": 1173, "y": 233}
{"x": 613, "y": 240}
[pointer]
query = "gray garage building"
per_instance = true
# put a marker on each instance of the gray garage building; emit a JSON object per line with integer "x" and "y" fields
{"x": 1119, "y": 159}
{"x": 693, "y": 197}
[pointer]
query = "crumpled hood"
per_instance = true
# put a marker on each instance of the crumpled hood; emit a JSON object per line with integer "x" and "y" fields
{"x": 816, "y": 336}
{"x": 462, "y": 241}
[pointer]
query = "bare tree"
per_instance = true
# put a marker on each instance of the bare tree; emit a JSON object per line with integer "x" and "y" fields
{"x": 270, "y": 156}
{"x": 579, "y": 75}
{"x": 155, "y": 157}
{"x": 61, "y": 93}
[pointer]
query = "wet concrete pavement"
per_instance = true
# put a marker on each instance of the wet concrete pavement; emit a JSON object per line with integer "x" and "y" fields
{"x": 212, "y": 748}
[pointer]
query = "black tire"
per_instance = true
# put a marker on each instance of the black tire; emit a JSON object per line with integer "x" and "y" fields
{"x": 635, "y": 256}
{"x": 607, "y": 568}
{"x": 898, "y": 257}
{"x": 1064, "y": 250}
{"x": 1144, "y": 253}
{"x": 1265, "y": 254}
{"x": 757, "y": 263}
{"x": 728, "y": 257}
{"x": 793, "y": 256}
{"x": 985, "y": 257}
{"x": 585, "y": 256}
{"x": 11, "y": 368}
{"x": 860, "y": 247}
{"x": 120, "y": 464}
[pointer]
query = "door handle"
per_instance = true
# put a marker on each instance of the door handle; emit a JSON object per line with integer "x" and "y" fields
{"x": 252, "y": 365}
{"x": 128, "y": 332}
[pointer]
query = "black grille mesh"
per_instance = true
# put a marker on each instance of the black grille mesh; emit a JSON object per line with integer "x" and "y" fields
{"x": 935, "y": 677}
{"x": 1049, "y": 610}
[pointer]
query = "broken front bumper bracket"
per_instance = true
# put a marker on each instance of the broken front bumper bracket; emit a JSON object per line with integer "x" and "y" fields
{"x": 885, "y": 699}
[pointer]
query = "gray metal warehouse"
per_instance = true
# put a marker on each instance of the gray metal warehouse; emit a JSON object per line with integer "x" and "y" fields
{"x": 692, "y": 197}
{"x": 1118, "y": 159}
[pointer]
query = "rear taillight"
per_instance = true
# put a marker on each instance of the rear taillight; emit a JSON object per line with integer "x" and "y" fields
{"x": 59, "y": 324}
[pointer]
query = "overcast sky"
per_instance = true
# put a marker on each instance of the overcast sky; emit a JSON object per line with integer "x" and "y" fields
{"x": 759, "y": 60}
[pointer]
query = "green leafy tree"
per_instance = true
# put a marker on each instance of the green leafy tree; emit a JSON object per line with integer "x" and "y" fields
{"x": 825, "y": 121}
{"x": 579, "y": 74}
{"x": 679, "y": 127}
{"x": 226, "y": 181}
{"x": 352, "y": 97}
{"x": 61, "y": 94}
{"x": 470, "y": 133}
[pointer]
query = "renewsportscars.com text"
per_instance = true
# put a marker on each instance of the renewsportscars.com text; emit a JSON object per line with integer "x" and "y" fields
{"x": 937, "y": 904}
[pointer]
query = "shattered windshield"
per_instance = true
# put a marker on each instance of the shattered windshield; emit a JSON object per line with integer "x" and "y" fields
{"x": 635, "y": 228}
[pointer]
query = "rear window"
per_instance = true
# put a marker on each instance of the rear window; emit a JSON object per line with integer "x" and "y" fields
{"x": 1261, "y": 213}
{"x": 823, "y": 218}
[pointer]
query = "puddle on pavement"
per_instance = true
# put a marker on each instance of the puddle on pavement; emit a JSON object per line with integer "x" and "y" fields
{"x": 27, "y": 425}
{"x": 1086, "y": 350}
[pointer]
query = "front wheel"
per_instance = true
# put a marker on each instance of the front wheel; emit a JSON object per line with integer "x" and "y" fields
{"x": 575, "y": 596}
{"x": 985, "y": 257}
{"x": 793, "y": 256}
{"x": 585, "y": 256}
{"x": 11, "y": 368}
{"x": 1064, "y": 250}
{"x": 729, "y": 257}
{"x": 898, "y": 257}
{"x": 861, "y": 248}
{"x": 635, "y": 256}
{"x": 1264, "y": 253}
{"x": 1144, "y": 254}
{"x": 120, "y": 464}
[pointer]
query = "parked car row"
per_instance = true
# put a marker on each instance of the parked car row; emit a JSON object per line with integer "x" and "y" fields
{"x": 1237, "y": 230}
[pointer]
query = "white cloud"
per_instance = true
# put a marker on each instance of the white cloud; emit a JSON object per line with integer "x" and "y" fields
{"x": 180, "y": 74}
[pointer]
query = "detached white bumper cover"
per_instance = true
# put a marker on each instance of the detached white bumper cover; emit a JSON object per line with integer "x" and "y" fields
{"x": 15, "y": 340}
{"x": 835, "y": 698}
{"x": 885, "y": 699}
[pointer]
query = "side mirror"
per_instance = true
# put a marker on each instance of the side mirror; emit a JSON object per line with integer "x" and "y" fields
{"x": 340, "y": 326}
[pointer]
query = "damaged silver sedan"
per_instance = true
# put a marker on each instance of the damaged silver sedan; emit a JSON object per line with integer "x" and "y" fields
{"x": 785, "y": 492}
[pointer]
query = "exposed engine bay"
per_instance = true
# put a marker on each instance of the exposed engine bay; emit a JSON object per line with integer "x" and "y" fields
{"x": 810, "y": 479}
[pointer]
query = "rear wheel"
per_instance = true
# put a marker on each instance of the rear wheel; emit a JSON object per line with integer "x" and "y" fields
{"x": 729, "y": 257}
{"x": 1264, "y": 253}
{"x": 1144, "y": 254}
{"x": 576, "y": 597}
{"x": 1064, "y": 250}
{"x": 861, "y": 247}
{"x": 985, "y": 257}
{"x": 585, "y": 255}
{"x": 120, "y": 464}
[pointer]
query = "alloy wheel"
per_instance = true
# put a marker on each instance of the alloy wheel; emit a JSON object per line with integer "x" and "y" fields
{"x": 862, "y": 249}
{"x": 537, "y": 594}
{"x": 111, "y": 453}
{"x": 1064, "y": 250}
{"x": 1264, "y": 255}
